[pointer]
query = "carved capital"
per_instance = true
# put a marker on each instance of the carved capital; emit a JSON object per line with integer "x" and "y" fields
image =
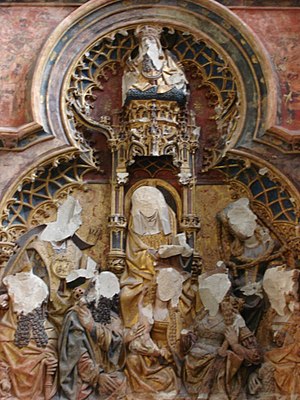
{"x": 190, "y": 222}
{"x": 122, "y": 178}
{"x": 116, "y": 264}
{"x": 117, "y": 221}
{"x": 185, "y": 178}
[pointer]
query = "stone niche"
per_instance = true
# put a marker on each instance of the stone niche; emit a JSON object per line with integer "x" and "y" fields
{"x": 150, "y": 254}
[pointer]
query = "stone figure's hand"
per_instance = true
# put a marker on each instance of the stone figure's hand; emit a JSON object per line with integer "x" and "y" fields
{"x": 85, "y": 317}
{"x": 222, "y": 351}
{"x": 5, "y": 385}
{"x": 153, "y": 253}
{"x": 231, "y": 336}
{"x": 134, "y": 333}
{"x": 52, "y": 364}
{"x": 107, "y": 383}
{"x": 165, "y": 353}
{"x": 155, "y": 352}
{"x": 4, "y": 302}
{"x": 279, "y": 338}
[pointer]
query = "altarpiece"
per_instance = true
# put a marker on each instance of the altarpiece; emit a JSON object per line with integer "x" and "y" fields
{"x": 152, "y": 255}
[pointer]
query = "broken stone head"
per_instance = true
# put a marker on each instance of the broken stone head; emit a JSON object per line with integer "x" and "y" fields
{"x": 212, "y": 290}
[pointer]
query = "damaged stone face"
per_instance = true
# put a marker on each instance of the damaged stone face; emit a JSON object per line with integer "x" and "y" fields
{"x": 107, "y": 285}
{"x": 150, "y": 211}
{"x": 26, "y": 290}
{"x": 169, "y": 285}
{"x": 278, "y": 283}
{"x": 212, "y": 290}
{"x": 153, "y": 68}
{"x": 67, "y": 222}
{"x": 241, "y": 220}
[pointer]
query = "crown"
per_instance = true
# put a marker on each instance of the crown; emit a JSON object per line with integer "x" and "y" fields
{"x": 148, "y": 30}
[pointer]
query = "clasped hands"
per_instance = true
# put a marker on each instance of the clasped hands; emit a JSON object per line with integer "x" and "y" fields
{"x": 4, "y": 301}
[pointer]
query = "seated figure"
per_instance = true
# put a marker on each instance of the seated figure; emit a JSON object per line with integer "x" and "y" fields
{"x": 153, "y": 73}
{"x": 150, "y": 246}
{"x": 53, "y": 254}
{"x": 220, "y": 344}
{"x": 280, "y": 337}
{"x": 91, "y": 344}
{"x": 153, "y": 365}
{"x": 27, "y": 340}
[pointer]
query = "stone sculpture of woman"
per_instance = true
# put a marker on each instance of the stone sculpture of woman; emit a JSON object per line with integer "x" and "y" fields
{"x": 151, "y": 232}
{"x": 221, "y": 344}
{"x": 153, "y": 365}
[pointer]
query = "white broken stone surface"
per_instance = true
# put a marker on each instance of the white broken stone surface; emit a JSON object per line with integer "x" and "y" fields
{"x": 169, "y": 250}
{"x": 169, "y": 285}
{"x": 67, "y": 222}
{"x": 107, "y": 285}
{"x": 79, "y": 273}
{"x": 91, "y": 265}
{"x": 146, "y": 314}
{"x": 149, "y": 211}
{"x": 180, "y": 239}
{"x": 122, "y": 178}
{"x": 212, "y": 290}
{"x": 240, "y": 218}
{"x": 263, "y": 171}
{"x": 152, "y": 50}
{"x": 277, "y": 283}
{"x": 26, "y": 291}
{"x": 179, "y": 247}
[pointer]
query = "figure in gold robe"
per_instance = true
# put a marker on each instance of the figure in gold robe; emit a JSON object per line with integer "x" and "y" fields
{"x": 150, "y": 246}
{"x": 153, "y": 365}
{"x": 28, "y": 341}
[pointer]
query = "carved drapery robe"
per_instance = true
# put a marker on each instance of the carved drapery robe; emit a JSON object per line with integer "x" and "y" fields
{"x": 205, "y": 372}
{"x": 27, "y": 365}
{"x": 84, "y": 356}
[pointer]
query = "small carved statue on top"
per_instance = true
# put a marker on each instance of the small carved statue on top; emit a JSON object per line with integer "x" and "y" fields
{"x": 154, "y": 71}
